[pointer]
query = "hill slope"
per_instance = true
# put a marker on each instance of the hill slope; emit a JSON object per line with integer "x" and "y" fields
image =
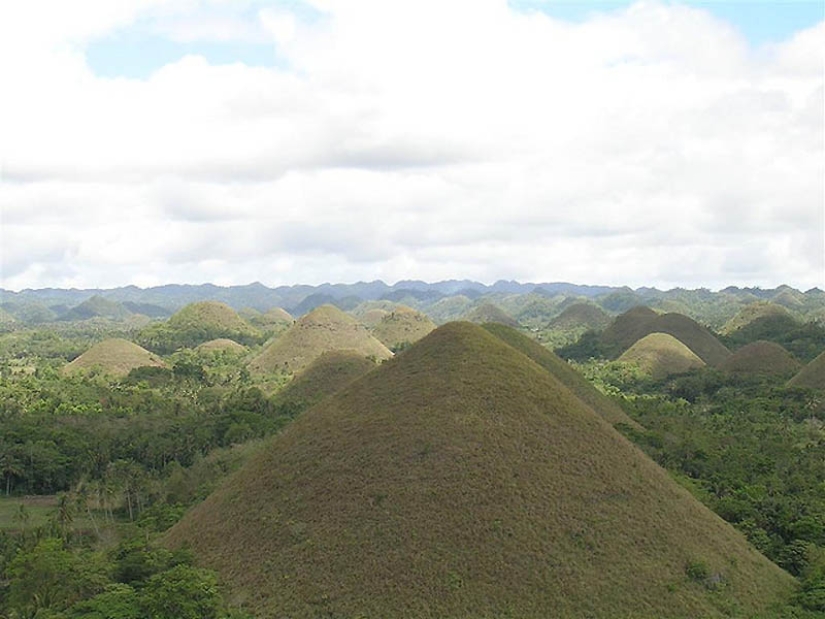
{"x": 462, "y": 480}
{"x": 812, "y": 375}
{"x": 752, "y": 312}
{"x": 628, "y": 328}
{"x": 661, "y": 355}
{"x": 321, "y": 330}
{"x": 564, "y": 373}
{"x": 114, "y": 356}
{"x": 327, "y": 374}
{"x": 581, "y": 315}
{"x": 487, "y": 312}
{"x": 766, "y": 358}
{"x": 403, "y": 325}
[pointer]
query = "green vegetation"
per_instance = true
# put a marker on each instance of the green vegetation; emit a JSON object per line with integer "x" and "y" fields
{"x": 487, "y": 312}
{"x": 812, "y": 376}
{"x": 762, "y": 358}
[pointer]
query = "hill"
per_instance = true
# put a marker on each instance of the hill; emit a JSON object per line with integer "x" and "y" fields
{"x": 487, "y": 312}
{"x": 221, "y": 344}
{"x": 462, "y": 480}
{"x": 195, "y": 324}
{"x": 6, "y": 318}
{"x": 661, "y": 355}
{"x": 327, "y": 374}
{"x": 114, "y": 356}
{"x": 638, "y": 322}
{"x": 564, "y": 373}
{"x": 581, "y": 315}
{"x": 752, "y": 312}
{"x": 766, "y": 358}
{"x": 372, "y": 317}
{"x": 402, "y": 326}
{"x": 96, "y": 307}
{"x": 627, "y": 328}
{"x": 812, "y": 376}
{"x": 323, "y": 329}
{"x": 273, "y": 317}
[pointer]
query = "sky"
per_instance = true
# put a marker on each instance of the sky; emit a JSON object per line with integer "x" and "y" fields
{"x": 650, "y": 143}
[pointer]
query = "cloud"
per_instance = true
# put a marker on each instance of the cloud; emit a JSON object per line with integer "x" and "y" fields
{"x": 648, "y": 146}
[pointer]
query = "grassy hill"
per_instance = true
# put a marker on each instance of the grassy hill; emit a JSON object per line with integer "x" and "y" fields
{"x": 627, "y": 328}
{"x": 766, "y": 358}
{"x": 273, "y": 317}
{"x": 487, "y": 312}
{"x": 752, "y": 312}
{"x": 581, "y": 315}
{"x": 564, "y": 373}
{"x": 402, "y": 326}
{"x": 195, "y": 324}
{"x": 221, "y": 344}
{"x": 97, "y": 307}
{"x": 321, "y": 330}
{"x": 463, "y": 480}
{"x": 660, "y": 355}
{"x": 812, "y": 375}
{"x": 327, "y": 374}
{"x": 115, "y": 356}
{"x": 372, "y": 317}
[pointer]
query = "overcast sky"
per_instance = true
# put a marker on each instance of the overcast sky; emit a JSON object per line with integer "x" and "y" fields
{"x": 189, "y": 141}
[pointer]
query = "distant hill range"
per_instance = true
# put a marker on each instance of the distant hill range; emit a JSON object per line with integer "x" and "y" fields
{"x": 442, "y": 301}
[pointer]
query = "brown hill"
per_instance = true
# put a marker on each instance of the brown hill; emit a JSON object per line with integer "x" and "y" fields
{"x": 660, "y": 355}
{"x": 564, "y": 373}
{"x": 812, "y": 376}
{"x": 221, "y": 344}
{"x": 463, "y": 480}
{"x": 581, "y": 315}
{"x": 208, "y": 315}
{"x": 274, "y": 317}
{"x": 766, "y": 358}
{"x": 401, "y": 326}
{"x": 115, "y": 356}
{"x": 638, "y": 322}
{"x": 372, "y": 317}
{"x": 628, "y": 328}
{"x": 487, "y": 312}
{"x": 327, "y": 374}
{"x": 323, "y": 329}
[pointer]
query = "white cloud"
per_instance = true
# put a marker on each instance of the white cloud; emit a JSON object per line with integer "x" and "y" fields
{"x": 427, "y": 140}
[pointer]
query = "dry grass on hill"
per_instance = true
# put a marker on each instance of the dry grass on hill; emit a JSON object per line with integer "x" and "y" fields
{"x": 766, "y": 358}
{"x": 115, "y": 356}
{"x": 403, "y": 325}
{"x": 564, "y": 373}
{"x": 487, "y": 312}
{"x": 581, "y": 315}
{"x": 321, "y": 330}
{"x": 660, "y": 355}
{"x": 326, "y": 375}
{"x": 751, "y": 313}
{"x": 221, "y": 344}
{"x": 463, "y": 480}
{"x": 812, "y": 376}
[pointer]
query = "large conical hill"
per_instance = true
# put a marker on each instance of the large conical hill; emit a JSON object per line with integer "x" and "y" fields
{"x": 463, "y": 480}
{"x": 661, "y": 355}
{"x": 811, "y": 376}
{"x": 764, "y": 358}
{"x": 221, "y": 344}
{"x": 323, "y": 329}
{"x": 402, "y": 326}
{"x": 564, "y": 373}
{"x": 114, "y": 356}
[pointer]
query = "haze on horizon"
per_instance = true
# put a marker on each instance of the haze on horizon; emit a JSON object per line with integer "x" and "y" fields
{"x": 646, "y": 144}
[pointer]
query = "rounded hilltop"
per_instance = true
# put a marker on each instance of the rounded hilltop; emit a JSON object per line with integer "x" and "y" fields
{"x": 323, "y": 329}
{"x": 762, "y": 358}
{"x": 115, "y": 356}
{"x": 402, "y": 326}
{"x": 660, "y": 355}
